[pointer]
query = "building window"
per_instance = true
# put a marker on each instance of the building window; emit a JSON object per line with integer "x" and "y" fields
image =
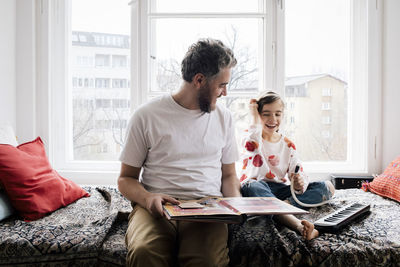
{"x": 101, "y": 148}
{"x": 326, "y": 92}
{"x": 325, "y": 105}
{"x": 326, "y": 134}
{"x": 119, "y": 61}
{"x": 120, "y": 103}
{"x": 102, "y": 60}
{"x": 289, "y": 91}
{"x": 326, "y": 120}
{"x": 119, "y": 83}
{"x": 103, "y": 124}
{"x": 119, "y": 124}
{"x": 103, "y": 103}
{"x": 102, "y": 83}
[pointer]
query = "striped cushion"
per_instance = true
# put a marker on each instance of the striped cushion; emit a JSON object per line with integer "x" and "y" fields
{"x": 388, "y": 183}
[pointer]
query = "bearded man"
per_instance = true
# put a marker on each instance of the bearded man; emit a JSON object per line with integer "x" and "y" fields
{"x": 181, "y": 146}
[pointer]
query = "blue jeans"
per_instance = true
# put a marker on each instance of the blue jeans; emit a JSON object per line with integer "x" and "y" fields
{"x": 316, "y": 192}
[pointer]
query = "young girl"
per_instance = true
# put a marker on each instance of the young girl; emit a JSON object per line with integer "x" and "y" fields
{"x": 269, "y": 164}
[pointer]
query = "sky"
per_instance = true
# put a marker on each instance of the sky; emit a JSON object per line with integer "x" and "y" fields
{"x": 316, "y": 42}
{"x": 108, "y": 16}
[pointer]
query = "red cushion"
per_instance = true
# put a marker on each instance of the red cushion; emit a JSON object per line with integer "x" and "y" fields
{"x": 388, "y": 183}
{"x": 33, "y": 187}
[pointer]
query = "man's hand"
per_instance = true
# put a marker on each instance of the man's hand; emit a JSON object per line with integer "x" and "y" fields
{"x": 155, "y": 201}
{"x": 298, "y": 181}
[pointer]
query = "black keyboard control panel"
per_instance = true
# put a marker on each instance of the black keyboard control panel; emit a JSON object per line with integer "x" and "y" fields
{"x": 338, "y": 219}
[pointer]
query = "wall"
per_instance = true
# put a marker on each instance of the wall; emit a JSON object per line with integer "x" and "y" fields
{"x": 7, "y": 62}
{"x": 391, "y": 82}
{"x": 26, "y": 71}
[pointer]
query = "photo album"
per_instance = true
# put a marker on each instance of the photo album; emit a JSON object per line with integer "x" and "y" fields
{"x": 228, "y": 210}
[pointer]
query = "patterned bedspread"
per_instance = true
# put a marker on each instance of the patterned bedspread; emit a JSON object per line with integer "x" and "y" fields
{"x": 85, "y": 233}
{"x": 90, "y": 232}
{"x": 372, "y": 241}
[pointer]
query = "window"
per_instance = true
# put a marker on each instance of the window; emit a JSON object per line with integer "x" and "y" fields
{"x": 102, "y": 83}
{"x": 101, "y": 149}
{"x": 120, "y": 124}
{"x": 325, "y": 105}
{"x": 322, "y": 53}
{"x": 102, "y": 60}
{"x": 120, "y": 103}
{"x": 326, "y": 120}
{"x": 119, "y": 83}
{"x": 119, "y": 61}
{"x": 326, "y": 134}
{"x": 326, "y": 92}
{"x": 96, "y": 115}
{"x": 103, "y": 103}
{"x": 75, "y": 37}
{"x": 321, "y": 66}
{"x": 243, "y": 26}
{"x": 103, "y": 124}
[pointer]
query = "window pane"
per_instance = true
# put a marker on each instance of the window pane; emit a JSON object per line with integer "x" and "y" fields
{"x": 317, "y": 74}
{"x": 99, "y": 78}
{"x": 239, "y": 105}
{"x": 244, "y": 36}
{"x": 194, "y": 6}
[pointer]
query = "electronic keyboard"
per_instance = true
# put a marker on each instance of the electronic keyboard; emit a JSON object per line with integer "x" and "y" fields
{"x": 336, "y": 220}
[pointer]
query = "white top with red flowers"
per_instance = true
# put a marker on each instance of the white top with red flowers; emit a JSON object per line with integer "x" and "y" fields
{"x": 271, "y": 162}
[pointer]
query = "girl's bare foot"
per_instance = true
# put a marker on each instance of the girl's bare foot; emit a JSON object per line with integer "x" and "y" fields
{"x": 308, "y": 232}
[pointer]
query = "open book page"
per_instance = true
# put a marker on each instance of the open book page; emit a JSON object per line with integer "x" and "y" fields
{"x": 259, "y": 206}
{"x": 210, "y": 206}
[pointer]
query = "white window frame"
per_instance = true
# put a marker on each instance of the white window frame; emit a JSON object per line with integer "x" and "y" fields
{"x": 49, "y": 74}
{"x": 140, "y": 47}
{"x": 362, "y": 140}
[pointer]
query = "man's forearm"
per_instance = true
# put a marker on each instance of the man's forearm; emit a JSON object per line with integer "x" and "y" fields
{"x": 231, "y": 186}
{"x": 132, "y": 190}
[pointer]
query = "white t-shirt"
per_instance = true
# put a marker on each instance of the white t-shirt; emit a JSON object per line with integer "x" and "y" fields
{"x": 181, "y": 151}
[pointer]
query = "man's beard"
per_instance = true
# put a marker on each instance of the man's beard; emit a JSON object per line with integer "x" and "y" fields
{"x": 204, "y": 98}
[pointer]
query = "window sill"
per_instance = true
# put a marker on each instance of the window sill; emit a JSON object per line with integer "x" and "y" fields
{"x": 91, "y": 177}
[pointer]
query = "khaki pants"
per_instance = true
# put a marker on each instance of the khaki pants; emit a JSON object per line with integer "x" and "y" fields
{"x": 159, "y": 242}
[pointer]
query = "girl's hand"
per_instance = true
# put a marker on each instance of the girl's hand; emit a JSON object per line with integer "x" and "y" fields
{"x": 253, "y": 107}
{"x": 298, "y": 181}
